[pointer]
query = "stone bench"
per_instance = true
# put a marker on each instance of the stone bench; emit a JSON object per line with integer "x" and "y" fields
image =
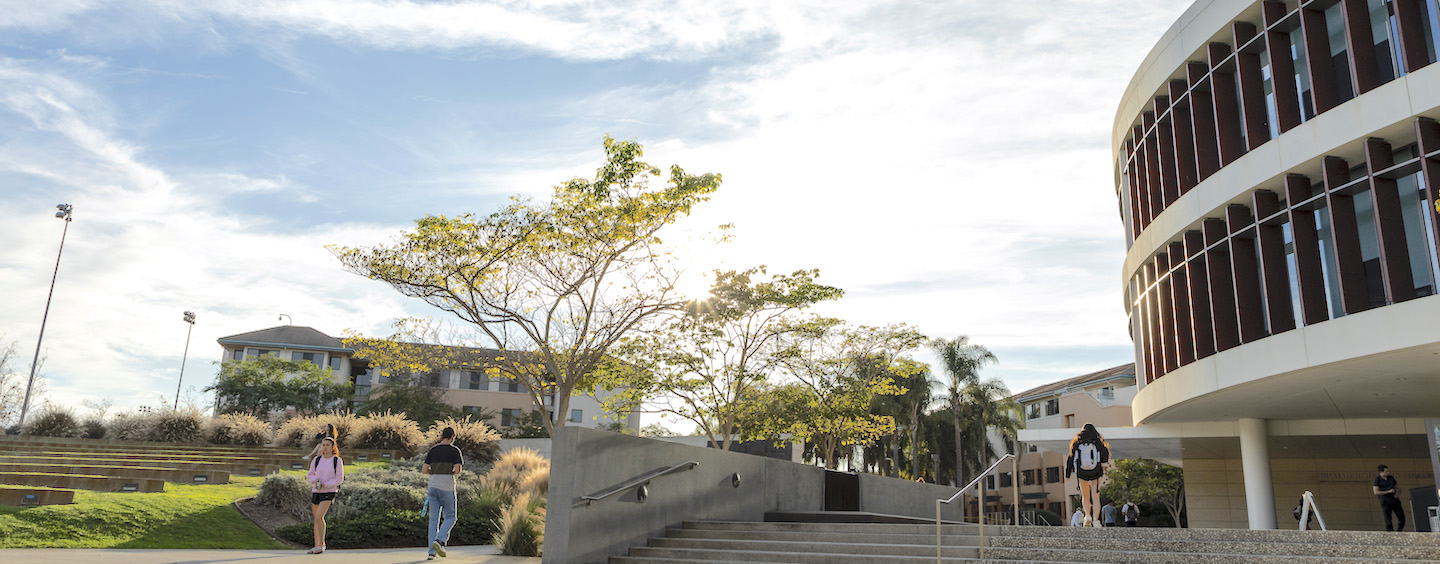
{"x": 231, "y": 468}
{"x": 83, "y": 482}
{"x": 27, "y": 497}
{"x": 169, "y": 474}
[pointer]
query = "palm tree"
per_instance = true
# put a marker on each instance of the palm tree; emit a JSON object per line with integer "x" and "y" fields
{"x": 990, "y": 409}
{"x": 962, "y": 362}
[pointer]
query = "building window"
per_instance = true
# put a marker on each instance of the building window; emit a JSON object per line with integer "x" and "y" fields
{"x": 1027, "y": 477}
{"x": 237, "y": 354}
{"x": 1032, "y": 448}
{"x": 437, "y": 380}
{"x": 509, "y": 385}
{"x": 257, "y": 353}
{"x": 476, "y": 380}
{"x": 1052, "y": 474}
{"x": 1032, "y": 411}
{"x": 334, "y": 362}
{"x": 1005, "y": 479}
{"x": 318, "y": 359}
{"x": 1052, "y": 407}
{"x": 576, "y": 415}
{"x": 508, "y": 416}
{"x": 989, "y": 482}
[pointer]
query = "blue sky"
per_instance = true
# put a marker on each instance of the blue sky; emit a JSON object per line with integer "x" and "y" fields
{"x": 946, "y": 163}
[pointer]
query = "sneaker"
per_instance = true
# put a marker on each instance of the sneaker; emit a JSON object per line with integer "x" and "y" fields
{"x": 1088, "y": 522}
{"x": 430, "y": 557}
{"x": 439, "y": 547}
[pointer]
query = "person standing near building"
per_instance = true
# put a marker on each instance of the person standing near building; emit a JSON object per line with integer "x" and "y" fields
{"x": 1131, "y": 512}
{"x": 1385, "y": 488}
{"x": 1107, "y": 514}
{"x": 442, "y": 463}
{"x": 1089, "y": 455}
{"x": 1078, "y": 518}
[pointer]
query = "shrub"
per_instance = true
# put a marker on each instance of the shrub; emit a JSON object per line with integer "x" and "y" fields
{"x": 522, "y": 527}
{"x": 388, "y": 431}
{"x": 286, "y": 492}
{"x": 300, "y": 431}
{"x": 93, "y": 428}
{"x": 516, "y": 472}
{"x": 130, "y": 426}
{"x": 477, "y": 441}
{"x": 391, "y": 528}
{"x": 356, "y": 500}
{"x": 53, "y": 422}
{"x": 238, "y": 429}
{"x": 176, "y": 426}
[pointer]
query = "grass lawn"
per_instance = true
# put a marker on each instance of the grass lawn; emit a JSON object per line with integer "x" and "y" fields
{"x": 183, "y": 516}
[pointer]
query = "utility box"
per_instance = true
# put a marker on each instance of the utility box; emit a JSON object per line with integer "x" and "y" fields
{"x": 1435, "y": 518}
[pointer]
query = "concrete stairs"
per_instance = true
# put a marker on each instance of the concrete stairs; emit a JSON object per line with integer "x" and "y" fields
{"x": 857, "y": 543}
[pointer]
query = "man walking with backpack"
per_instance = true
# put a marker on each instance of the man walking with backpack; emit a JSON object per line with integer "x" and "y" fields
{"x": 1131, "y": 512}
{"x": 442, "y": 463}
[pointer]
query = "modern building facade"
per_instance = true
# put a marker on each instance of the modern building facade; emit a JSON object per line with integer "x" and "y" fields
{"x": 466, "y": 386}
{"x": 1276, "y": 164}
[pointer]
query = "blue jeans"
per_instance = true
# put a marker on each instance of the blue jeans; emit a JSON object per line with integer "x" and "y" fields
{"x": 440, "y": 501}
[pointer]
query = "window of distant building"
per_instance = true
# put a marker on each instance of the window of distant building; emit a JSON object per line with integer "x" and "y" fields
{"x": 1032, "y": 448}
{"x": 318, "y": 359}
{"x": 508, "y": 416}
{"x": 476, "y": 380}
{"x": 334, "y": 362}
{"x": 989, "y": 482}
{"x": 1052, "y": 407}
{"x": 1027, "y": 477}
{"x": 1005, "y": 479}
{"x": 1052, "y": 474}
{"x": 237, "y": 354}
{"x": 257, "y": 353}
{"x": 436, "y": 380}
{"x": 509, "y": 385}
{"x": 1032, "y": 411}
{"x": 576, "y": 415}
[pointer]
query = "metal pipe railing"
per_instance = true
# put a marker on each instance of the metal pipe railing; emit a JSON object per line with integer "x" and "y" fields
{"x": 641, "y": 479}
{"x": 1015, "y": 477}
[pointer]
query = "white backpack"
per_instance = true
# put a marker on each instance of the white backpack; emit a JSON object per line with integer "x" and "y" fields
{"x": 1087, "y": 456}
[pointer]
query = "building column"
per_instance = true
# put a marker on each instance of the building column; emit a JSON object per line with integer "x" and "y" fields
{"x": 1255, "y": 463}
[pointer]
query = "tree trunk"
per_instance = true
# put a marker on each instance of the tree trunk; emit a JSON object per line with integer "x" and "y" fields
{"x": 895, "y": 456}
{"x": 914, "y": 444}
{"x": 959, "y": 454}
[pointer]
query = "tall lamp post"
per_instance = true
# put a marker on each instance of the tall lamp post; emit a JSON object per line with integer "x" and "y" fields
{"x": 189, "y": 318}
{"x": 64, "y": 211}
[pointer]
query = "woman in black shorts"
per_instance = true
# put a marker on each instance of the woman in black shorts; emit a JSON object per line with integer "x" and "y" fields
{"x": 327, "y": 471}
{"x": 1089, "y": 455}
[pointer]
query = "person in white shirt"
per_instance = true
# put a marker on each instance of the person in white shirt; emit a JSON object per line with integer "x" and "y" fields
{"x": 1078, "y": 519}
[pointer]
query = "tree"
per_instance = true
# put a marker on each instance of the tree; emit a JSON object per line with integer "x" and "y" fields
{"x": 700, "y": 364}
{"x": 961, "y": 362}
{"x": 12, "y": 383}
{"x": 837, "y": 370}
{"x": 989, "y": 408}
{"x": 551, "y": 286}
{"x": 531, "y": 425}
{"x": 1146, "y": 481}
{"x": 414, "y": 396}
{"x": 913, "y": 379}
{"x": 262, "y": 385}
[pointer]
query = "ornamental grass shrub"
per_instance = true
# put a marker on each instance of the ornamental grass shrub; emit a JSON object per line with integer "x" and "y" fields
{"x": 388, "y": 431}
{"x": 356, "y": 500}
{"x": 93, "y": 427}
{"x": 300, "y": 431}
{"x": 241, "y": 429}
{"x": 286, "y": 492}
{"x": 518, "y": 471}
{"x": 131, "y": 426}
{"x": 176, "y": 426}
{"x": 53, "y": 421}
{"x": 521, "y": 527}
{"x": 479, "y": 442}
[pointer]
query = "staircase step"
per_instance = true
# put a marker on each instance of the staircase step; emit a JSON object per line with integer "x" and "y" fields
{"x": 852, "y": 537}
{"x": 851, "y": 548}
{"x": 882, "y": 528}
{"x": 1231, "y": 547}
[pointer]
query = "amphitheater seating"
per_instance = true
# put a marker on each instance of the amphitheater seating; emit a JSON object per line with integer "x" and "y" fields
{"x": 33, "y": 496}
{"x": 168, "y": 474}
{"x": 92, "y": 482}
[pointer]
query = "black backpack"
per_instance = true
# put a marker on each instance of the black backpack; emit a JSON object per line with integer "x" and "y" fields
{"x": 334, "y": 462}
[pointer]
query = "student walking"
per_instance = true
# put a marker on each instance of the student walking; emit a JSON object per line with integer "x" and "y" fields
{"x": 1385, "y": 488}
{"x": 329, "y": 431}
{"x": 442, "y": 463}
{"x": 1107, "y": 512}
{"x": 327, "y": 471}
{"x": 1131, "y": 512}
{"x": 1089, "y": 455}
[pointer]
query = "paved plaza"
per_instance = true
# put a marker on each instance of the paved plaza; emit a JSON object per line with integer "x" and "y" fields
{"x": 457, "y": 554}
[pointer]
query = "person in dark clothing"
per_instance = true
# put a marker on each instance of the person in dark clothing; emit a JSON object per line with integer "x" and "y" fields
{"x": 1089, "y": 455}
{"x": 1385, "y": 488}
{"x": 442, "y": 463}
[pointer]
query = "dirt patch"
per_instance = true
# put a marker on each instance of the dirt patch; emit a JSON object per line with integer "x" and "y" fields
{"x": 268, "y": 519}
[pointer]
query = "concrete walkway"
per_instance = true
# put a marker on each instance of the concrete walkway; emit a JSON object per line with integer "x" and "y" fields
{"x": 457, "y": 554}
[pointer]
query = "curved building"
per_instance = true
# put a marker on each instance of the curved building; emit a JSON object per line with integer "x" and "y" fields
{"x": 1276, "y": 164}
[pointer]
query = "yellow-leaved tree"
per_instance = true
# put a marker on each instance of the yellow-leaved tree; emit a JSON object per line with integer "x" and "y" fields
{"x": 550, "y": 286}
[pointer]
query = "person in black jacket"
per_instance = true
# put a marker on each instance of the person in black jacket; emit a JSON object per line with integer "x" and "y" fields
{"x": 1089, "y": 455}
{"x": 1385, "y": 488}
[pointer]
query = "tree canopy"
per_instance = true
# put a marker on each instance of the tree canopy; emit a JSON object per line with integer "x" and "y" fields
{"x": 560, "y": 282}
{"x": 1146, "y": 481}
{"x": 261, "y": 385}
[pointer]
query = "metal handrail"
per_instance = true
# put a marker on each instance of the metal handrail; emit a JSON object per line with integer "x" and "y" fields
{"x": 1015, "y": 477}
{"x": 641, "y": 479}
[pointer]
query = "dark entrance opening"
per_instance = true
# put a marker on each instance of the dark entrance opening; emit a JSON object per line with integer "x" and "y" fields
{"x": 842, "y": 491}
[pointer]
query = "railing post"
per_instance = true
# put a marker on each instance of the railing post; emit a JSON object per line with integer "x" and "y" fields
{"x": 937, "y": 531}
{"x": 981, "y": 510}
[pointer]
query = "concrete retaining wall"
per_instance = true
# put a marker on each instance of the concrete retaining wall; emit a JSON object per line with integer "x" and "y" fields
{"x": 585, "y": 461}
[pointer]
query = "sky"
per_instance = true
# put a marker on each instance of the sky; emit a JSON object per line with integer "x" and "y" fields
{"x": 946, "y": 163}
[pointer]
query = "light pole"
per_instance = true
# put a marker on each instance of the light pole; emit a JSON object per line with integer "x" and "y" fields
{"x": 63, "y": 213}
{"x": 189, "y": 318}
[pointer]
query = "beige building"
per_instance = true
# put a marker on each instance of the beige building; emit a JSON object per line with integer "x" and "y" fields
{"x": 1102, "y": 398}
{"x": 466, "y": 387}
